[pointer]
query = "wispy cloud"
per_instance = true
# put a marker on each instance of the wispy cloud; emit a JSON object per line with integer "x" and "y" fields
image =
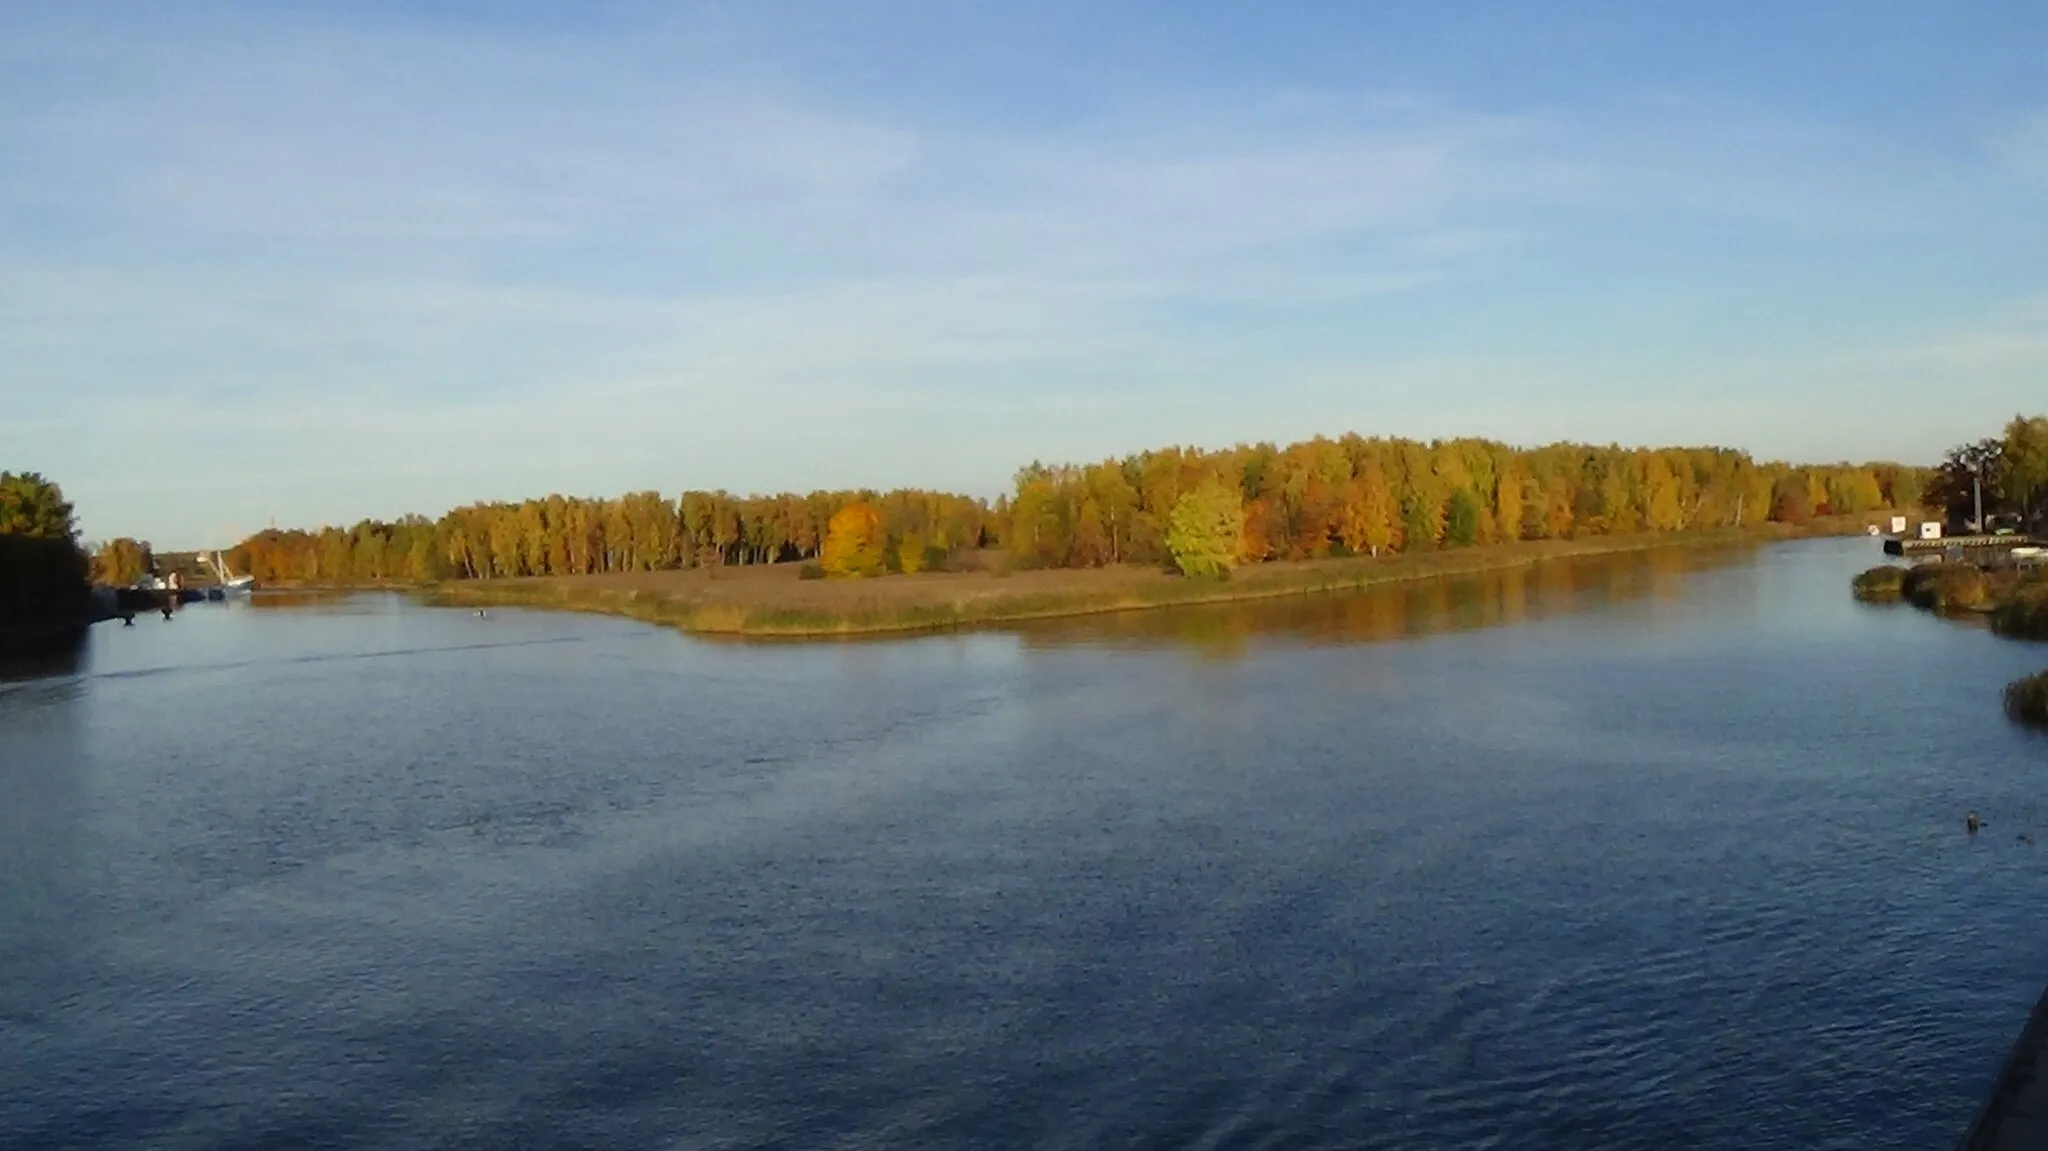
{"x": 2023, "y": 146}
{"x": 367, "y": 268}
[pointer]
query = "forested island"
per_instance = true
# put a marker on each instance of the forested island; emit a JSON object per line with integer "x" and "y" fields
{"x": 1312, "y": 500}
{"x": 1254, "y": 519}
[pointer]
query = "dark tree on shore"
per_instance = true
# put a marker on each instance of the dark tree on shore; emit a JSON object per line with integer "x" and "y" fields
{"x": 43, "y": 574}
{"x": 1955, "y": 483}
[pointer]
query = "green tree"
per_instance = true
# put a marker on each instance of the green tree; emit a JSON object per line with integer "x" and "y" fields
{"x": 2024, "y": 463}
{"x": 122, "y": 562}
{"x": 1461, "y": 519}
{"x": 33, "y": 508}
{"x": 1205, "y": 530}
{"x": 1422, "y": 521}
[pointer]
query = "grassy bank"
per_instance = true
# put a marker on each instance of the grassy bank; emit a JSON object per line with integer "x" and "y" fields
{"x": 2016, "y": 604}
{"x": 1947, "y": 588}
{"x": 1886, "y": 584}
{"x": 2026, "y": 700}
{"x": 772, "y": 601}
{"x": 2023, "y": 614}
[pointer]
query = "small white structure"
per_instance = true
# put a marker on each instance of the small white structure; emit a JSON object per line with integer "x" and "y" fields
{"x": 1898, "y": 525}
{"x": 1931, "y": 530}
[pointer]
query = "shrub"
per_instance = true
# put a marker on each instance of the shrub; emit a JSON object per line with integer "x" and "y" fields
{"x": 1880, "y": 584}
{"x": 1946, "y": 587}
{"x": 811, "y": 571}
{"x": 2025, "y": 614}
{"x": 2026, "y": 700}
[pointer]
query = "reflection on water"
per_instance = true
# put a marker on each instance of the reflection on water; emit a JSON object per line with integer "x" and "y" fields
{"x": 1660, "y": 850}
{"x": 1406, "y": 609}
{"x": 297, "y": 598}
{"x": 55, "y": 655}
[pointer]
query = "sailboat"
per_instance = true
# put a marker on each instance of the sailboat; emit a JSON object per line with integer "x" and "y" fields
{"x": 230, "y": 583}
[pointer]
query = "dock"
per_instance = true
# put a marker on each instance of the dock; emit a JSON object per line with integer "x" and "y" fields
{"x": 1967, "y": 545}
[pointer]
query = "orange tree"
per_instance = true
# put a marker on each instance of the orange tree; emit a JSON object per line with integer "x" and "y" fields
{"x": 853, "y": 543}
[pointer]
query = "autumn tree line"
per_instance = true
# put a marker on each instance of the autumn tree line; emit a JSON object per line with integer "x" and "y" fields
{"x": 1317, "y": 498}
{"x": 1359, "y": 496}
{"x": 645, "y": 531}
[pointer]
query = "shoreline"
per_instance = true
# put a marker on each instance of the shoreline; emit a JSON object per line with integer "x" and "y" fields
{"x": 767, "y": 603}
{"x": 2011, "y": 1116}
{"x": 2010, "y": 603}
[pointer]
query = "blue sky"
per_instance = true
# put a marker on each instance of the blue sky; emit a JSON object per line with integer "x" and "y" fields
{"x": 314, "y": 262}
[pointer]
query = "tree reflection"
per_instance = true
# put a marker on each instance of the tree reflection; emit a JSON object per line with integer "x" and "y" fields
{"x": 1402, "y": 610}
{"x": 57, "y": 654}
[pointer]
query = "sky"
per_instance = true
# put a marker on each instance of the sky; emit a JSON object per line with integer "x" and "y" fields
{"x": 303, "y": 263}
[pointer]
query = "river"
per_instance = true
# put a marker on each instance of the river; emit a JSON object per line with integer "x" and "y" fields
{"x": 1656, "y": 850}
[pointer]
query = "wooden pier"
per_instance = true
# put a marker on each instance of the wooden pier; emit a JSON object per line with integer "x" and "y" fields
{"x": 1968, "y": 545}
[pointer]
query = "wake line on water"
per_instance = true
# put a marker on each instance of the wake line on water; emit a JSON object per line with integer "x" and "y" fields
{"x": 336, "y": 657}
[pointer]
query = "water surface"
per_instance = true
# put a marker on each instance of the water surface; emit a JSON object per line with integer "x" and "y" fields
{"x": 1641, "y": 851}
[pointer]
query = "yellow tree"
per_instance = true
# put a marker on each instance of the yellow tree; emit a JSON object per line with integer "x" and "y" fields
{"x": 1038, "y": 533}
{"x": 1382, "y": 513}
{"x": 1665, "y": 513}
{"x": 1618, "y": 512}
{"x": 1263, "y": 523}
{"x": 1816, "y": 490}
{"x": 1351, "y": 527}
{"x": 1368, "y": 525}
{"x": 1560, "y": 518}
{"x": 1507, "y": 504}
{"x": 1205, "y": 533}
{"x": 853, "y": 543}
{"x": 1318, "y": 516}
{"x": 910, "y": 554}
{"x": 121, "y": 562}
{"x": 1091, "y": 546}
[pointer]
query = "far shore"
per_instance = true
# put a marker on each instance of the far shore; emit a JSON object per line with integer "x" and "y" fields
{"x": 771, "y": 601}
